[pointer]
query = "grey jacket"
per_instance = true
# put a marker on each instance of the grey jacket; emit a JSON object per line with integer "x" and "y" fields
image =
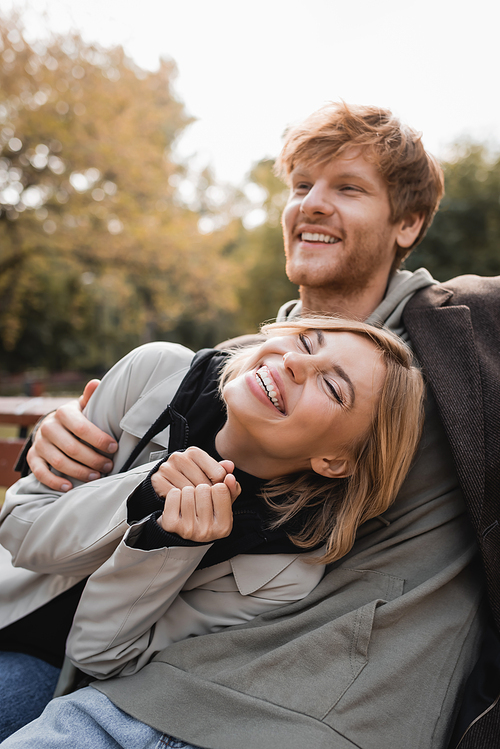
{"x": 136, "y": 602}
{"x": 299, "y": 676}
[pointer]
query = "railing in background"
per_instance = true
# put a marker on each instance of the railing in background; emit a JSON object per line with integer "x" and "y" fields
{"x": 23, "y": 412}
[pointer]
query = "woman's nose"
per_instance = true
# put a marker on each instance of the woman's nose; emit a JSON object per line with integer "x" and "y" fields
{"x": 296, "y": 365}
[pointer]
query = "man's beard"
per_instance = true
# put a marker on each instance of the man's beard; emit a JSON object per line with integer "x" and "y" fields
{"x": 346, "y": 275}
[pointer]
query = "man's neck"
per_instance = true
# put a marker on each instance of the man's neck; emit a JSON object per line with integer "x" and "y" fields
{"x": 328, "y": 301}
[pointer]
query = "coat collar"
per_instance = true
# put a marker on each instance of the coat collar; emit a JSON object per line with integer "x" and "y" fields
{"x": 251, "y": 571}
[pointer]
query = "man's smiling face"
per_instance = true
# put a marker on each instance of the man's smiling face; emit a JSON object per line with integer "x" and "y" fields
{"x": 337, "y": 228}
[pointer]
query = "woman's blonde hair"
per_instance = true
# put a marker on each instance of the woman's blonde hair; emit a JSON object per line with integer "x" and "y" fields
{"x": 337, "y": 507}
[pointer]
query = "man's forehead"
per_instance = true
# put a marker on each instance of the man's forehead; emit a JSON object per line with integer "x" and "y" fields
{"x": 352, "y": 163}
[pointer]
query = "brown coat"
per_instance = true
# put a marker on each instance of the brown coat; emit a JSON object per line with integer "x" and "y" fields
{"x": 455, "y": 332}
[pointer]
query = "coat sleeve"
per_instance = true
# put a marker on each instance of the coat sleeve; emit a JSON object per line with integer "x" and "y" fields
{"x": 139, "y": 602}
{"x": 73, "y": 533}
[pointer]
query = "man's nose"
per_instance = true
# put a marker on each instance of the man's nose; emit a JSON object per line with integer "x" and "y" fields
{"x": 317, "y": 202}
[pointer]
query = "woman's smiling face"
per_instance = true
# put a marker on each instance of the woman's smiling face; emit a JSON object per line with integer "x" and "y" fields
{"x": 307, "y": 397}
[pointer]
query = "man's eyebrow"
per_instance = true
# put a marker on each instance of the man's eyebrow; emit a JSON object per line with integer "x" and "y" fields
{"x": 299, "y": 172}
{"x": 339, "y": 370}
{"x": 356, "y": 176}
{"x": 352, "y": 175}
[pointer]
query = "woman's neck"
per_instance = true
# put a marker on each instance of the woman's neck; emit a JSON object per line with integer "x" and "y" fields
{"x": 233, "y": 443}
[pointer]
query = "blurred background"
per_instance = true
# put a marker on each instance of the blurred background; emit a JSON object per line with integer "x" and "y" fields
{"x": 137, "y": 198}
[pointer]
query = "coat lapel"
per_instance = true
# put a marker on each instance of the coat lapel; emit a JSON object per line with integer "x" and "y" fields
{"x": 443, "y": 340}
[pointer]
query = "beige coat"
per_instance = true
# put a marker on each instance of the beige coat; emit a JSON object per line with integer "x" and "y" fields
{"x": 137, "y": 602}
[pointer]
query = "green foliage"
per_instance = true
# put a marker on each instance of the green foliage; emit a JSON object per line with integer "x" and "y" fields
{"x": 261, "y": 257}
{"x": 465, "y": 234}
{"x": 97, "y": 252}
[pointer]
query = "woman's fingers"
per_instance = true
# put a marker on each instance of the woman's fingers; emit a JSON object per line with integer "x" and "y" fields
{"x": 228, "y": 466}
{"x": 166, "y": 478}
{"x": 171, "y": 516}
{"x": 202, "y": 508}
{"x": 189, "y": 468}
{"x": 223, "y": 512}
{"x": 202, "y": 514}
{"x": 198, "y": 466}
{"x": 233, "y": 486}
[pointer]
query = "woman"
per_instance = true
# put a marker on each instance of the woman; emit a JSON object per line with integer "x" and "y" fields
{"x": 323, "y": 419}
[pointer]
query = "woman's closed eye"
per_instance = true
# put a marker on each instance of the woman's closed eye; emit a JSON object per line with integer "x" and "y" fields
{"x": 334, "y": 392}
{"x": 308, "y": 346}
{"x": 306, "y": 343}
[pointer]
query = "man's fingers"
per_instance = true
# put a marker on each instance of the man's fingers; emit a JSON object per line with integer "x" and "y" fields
{"x": 73, "y": 421}
{"x": 42, "y": 472}
{"x": 56, "y": 445}
{"x": 60, "y": 448}
{"x": 88, "y": 391}
{"x": 40, "y": 464}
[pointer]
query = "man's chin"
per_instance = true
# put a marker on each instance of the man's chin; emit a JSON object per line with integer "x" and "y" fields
{"x": 310, "y": 276}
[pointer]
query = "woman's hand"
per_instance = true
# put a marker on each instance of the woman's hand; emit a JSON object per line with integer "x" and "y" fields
{"x": 57, "y": 444}
{"x": 190, "y": 468}
{"x": 202, "y": 513}
{"x": 199, "y": 495}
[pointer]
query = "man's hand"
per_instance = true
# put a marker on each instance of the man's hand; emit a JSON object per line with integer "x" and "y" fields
{"x": 199, "y": 495}
{"x": 56, "y": 444}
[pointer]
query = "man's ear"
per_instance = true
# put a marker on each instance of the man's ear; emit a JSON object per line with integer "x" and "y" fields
{"x": 332, "y": 468}
{"x": 409, "y": 229}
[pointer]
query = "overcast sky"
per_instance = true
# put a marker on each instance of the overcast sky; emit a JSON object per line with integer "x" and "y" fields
{"x": 248, "y": 69}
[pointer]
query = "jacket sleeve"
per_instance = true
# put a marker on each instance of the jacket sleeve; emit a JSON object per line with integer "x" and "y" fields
{"x": 139, "y": 602}
{"x": 73, "y": 533}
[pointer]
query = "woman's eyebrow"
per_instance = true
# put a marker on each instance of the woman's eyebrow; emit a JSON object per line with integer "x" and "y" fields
{"x": 339, "y": 370}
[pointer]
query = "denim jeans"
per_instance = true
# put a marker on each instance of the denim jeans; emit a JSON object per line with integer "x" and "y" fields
{"x": 26, "y": 686}
{"x": 87, "y": 719}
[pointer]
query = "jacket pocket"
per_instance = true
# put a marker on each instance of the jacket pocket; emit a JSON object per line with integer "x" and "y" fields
{"x": 348, "y": 641}
{"x": 308, "y": 662}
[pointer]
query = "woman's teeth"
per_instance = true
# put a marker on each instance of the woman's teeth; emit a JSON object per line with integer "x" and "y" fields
{"x": 267, "y": 385}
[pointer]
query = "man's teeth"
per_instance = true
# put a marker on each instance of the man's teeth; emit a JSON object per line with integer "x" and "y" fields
{"x": 267, "y": 386}
{"x": 307, "y": 236}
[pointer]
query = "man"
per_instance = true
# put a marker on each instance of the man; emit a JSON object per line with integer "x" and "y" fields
{"x": 378, "y": 655}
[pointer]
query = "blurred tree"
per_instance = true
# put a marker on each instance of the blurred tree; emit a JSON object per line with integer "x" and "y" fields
{"x": 97, "y": 251}
{"x": 260, "y": 254}
{"x": 465, "y": 234}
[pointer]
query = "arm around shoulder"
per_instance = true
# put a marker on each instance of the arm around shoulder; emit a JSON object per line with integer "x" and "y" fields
{"x": 37, "y": 523}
